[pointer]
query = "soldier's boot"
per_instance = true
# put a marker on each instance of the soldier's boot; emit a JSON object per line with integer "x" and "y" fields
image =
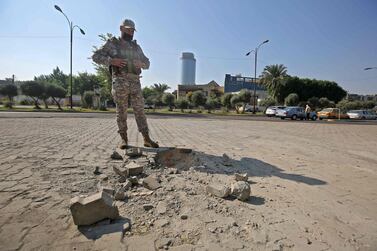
{"x": 148, "y": 142}
{"x": 124, "y": 143}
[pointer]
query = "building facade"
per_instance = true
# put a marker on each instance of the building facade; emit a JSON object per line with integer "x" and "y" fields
{"x": 234, "y": 84}
{"x": 212, "y": 88}
{"x": 358, "y": 97}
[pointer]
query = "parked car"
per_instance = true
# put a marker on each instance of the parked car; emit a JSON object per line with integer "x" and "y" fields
{"x": 331, "y": 113}
{"x": 148, "y": 106}
{"x": 361, "y": 114}
{"x": 294, "y": 112}
{"x": 271, "y": 110}
{"x": 250, "y": 108}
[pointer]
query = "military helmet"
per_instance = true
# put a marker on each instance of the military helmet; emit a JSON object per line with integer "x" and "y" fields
{"x": 128, "y": 23}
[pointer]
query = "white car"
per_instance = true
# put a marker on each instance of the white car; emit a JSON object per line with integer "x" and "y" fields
{"x": 361, "y": 114}
{"x": 271, "y": 110}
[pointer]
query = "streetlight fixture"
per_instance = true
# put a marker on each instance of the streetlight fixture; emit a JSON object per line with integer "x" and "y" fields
{"x": 369, "y": 68}
{"x": 71, "y": 28}
{"x": 255, "y": 69}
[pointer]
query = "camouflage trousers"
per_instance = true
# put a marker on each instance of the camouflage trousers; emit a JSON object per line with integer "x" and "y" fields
{"x": 127, "y": 90}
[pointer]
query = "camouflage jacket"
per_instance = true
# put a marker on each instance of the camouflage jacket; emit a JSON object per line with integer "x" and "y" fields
{"x": 120, "y": 48}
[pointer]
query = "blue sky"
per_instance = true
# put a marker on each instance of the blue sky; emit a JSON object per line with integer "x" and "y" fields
{"x": 322, "y": 39}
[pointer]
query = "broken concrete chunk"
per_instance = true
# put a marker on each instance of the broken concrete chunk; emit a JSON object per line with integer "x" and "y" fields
{"x": 116, "y": 155}
{"x": 147, "y": 207}
{"x": 151, "y": 182}
{"x": 142, "y": 161}
{"x": 134, "y": 180}
{"x": 163, "y": 243}
{"x": 134, "y": 168}
{"x": 103, "y": 177}
{"x": 127, "y": 185}
{"x": 241, "y": 190}
{"x": 121, "y": 171}
{"x": 218, "y": 190}
{"x": 97, "y": 171}
{"x": 120, "y": 194}
{"x": 161, "y": 223}
{"x": 241, "y": 177}
{"x": 89, "y": 210}
{"x": 110, "y": 191}
{"x": 161, "y": 207}
{"x": 134, "y": 152}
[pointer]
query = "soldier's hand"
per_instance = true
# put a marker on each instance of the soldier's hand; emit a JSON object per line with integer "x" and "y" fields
{"x": 118, "y": 62}
{"x": 138, "y": 64}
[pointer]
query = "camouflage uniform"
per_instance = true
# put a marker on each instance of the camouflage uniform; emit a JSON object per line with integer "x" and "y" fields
{"x": 125, "y": 81}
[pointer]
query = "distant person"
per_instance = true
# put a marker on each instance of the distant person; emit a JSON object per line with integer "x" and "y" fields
{"x": 125, "y": 59}
{"x": 307, "y": 111}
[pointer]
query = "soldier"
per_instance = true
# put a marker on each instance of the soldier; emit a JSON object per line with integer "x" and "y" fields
{"x": 125, "y": 59}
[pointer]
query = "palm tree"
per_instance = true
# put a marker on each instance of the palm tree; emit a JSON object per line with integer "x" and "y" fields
{"x": 272, "y": 77}
{"x": 160, "y": 88}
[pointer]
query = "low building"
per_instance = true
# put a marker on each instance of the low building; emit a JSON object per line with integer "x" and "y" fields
{"x": 234, "y": 84}
{"x": 358, "y": 97}
{"x": 212, "y": 88}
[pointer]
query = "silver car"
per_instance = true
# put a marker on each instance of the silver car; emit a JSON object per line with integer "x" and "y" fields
{"x": 361, "y": 114}
{"x": 294, "y": 112}
{"x": 271, "y": 110}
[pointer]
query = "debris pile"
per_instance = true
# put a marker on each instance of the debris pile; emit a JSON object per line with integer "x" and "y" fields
{"x": 153, "y": 189}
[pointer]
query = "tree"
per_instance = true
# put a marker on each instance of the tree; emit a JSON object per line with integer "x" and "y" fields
{"x": 85, "y": 82}
{"x": 34, "y": 90}
{"x": 272, "y": 77}
{"x": 147, "y": 91}
{"x": 189, "y": 96}
{"x": 104, "y": 75}
{"x": 168, "y": 99}
{"x": 313, "y": 102}
{"x": 182, "y": 104}
{"x": 159, "y": 89}
{"x": 236, "y": 102}
{"x": 56, "y": 92}
{"x": 211, "y": 104}
{"x": 88, "y": 98}
{"x": 44, "y": 95}
{"x": 198, "y": 98}
{"x": 292, "y": 99}
{"x": 9, "y": 90}
{"x": 307, "y": 88}
{"x": 245, "y": 96}
{"x": 225, "y": 101}
{"x": 270, "y": 101}
{"x": 324, "y": 102}
{"x": 57, "y": 77}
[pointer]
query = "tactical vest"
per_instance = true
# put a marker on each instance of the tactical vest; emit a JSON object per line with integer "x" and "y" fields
{"x": 126, "y": 50}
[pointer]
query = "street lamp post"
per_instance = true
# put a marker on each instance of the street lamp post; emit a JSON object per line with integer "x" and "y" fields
{"x": 255, "y": 69}
{"x": 71, "y": 28}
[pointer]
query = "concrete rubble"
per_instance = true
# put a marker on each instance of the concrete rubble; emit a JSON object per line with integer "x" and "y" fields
{"x": 134, "y": 168}
{"x": 241, "y": 190}
{"x": 89, "y": 210}
{"x": 241, "y": 177}
{"x": 218, "y": 190}
{"x": 140, "y": 185}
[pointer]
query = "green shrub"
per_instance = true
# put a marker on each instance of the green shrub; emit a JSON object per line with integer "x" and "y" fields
{"x": 88, "y": 99}
{"x": 292, "y": 99}
{"x": 8, "y": 104}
